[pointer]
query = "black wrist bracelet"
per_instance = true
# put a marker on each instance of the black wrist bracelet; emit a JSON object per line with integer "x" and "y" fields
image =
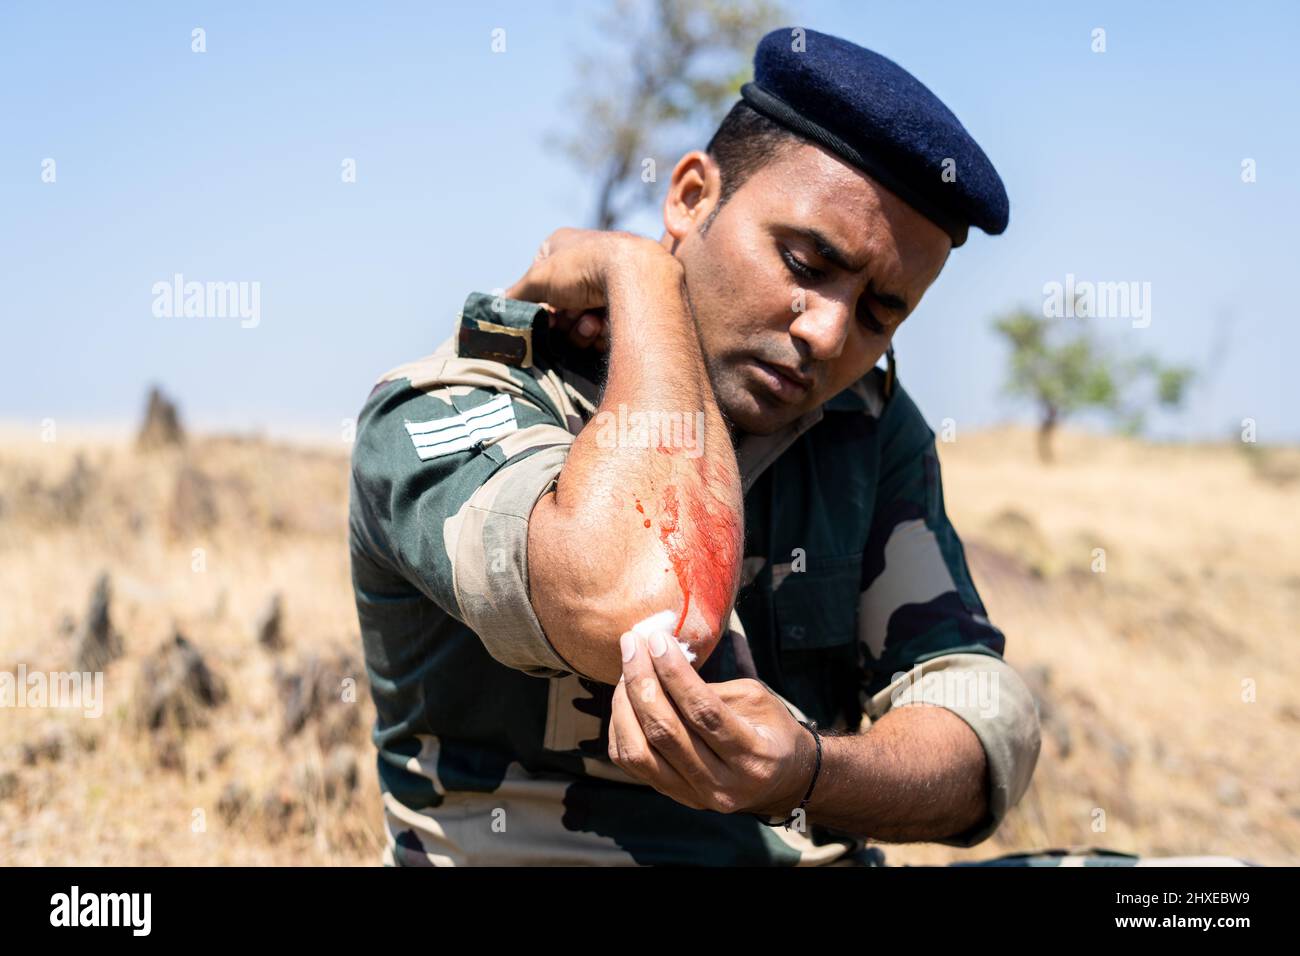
{"x": 812, "y": 729}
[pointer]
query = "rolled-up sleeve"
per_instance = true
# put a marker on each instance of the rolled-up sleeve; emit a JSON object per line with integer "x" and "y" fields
{"x": 487, "y": 540}
{"x": 447, "y": 479}
{"x": 924, "y": 632}
{"x": 994, "y": 701}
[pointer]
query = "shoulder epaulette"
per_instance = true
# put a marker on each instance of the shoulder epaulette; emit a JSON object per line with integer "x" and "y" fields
{"x": 499, "y": 329}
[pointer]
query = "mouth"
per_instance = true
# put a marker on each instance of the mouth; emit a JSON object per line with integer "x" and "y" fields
{"x": 784, "y": 383}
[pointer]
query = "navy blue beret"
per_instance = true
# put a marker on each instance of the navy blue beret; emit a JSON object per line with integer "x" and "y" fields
{"x": 876, "y": 116}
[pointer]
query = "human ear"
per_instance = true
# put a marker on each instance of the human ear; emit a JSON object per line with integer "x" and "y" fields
{"x": 693, "y": 192}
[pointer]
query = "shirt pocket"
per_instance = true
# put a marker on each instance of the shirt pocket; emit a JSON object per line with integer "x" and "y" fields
{"x": 817, "y": 608}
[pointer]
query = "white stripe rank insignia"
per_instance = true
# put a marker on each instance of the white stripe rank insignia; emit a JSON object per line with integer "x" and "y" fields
{"x": 445, "y": 436}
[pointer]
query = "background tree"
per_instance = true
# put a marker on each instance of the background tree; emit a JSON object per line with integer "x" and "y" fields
{"x": 671, "y": 70}
{"x": 1064, "y": 370}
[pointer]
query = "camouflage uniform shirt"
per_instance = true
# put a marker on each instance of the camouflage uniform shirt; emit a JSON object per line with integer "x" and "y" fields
{"x": 855, "y": 598}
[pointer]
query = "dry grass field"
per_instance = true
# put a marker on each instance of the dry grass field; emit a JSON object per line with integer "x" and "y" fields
{"x": 1168, "y": 682}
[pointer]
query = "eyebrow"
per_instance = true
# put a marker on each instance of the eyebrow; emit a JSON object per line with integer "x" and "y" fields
{"x": 837, "y": 257}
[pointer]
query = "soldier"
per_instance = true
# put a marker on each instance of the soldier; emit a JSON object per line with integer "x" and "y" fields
{"x": 651, "y": 560}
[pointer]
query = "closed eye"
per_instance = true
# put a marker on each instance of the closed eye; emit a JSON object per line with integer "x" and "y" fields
{"x": 869, "y": 320}
{"x": 799, "y": 268}
{"x": 891, "y": 303}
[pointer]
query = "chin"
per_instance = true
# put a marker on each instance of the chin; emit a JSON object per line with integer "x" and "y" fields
{"x": 746, "y": 408}
{"x": 756, "y": 416}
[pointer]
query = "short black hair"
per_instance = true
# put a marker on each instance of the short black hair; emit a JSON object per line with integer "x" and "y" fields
{"x": 744, "y": 143}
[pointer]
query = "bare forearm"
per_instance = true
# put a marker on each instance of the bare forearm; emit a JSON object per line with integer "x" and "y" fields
{"x": 648, "y": 505}
{"x": 655, "y": 360}
{"x": 919, "y": 773}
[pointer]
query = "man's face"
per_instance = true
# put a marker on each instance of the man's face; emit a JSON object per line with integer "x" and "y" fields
{"x": 800, "y": 282}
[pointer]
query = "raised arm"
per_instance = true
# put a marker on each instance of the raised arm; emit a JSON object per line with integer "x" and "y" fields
{"x": 647, "y": 513}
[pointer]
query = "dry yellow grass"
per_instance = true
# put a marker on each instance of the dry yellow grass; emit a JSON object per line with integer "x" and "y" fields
{"x": 1145, "y": 718}
{"x": 1141, "y": 667}
{"x": 267, "y": 518}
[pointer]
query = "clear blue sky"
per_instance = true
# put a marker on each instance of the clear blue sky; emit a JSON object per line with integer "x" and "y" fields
{"x": 226, "y": 166}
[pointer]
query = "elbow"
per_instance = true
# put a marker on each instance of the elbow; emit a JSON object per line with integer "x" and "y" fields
{"x": 590, "y": 583}
{"x": 586, "y": 597}
{"x": 584, "y": 615}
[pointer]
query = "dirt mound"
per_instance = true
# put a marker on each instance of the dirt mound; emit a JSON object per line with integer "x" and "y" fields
{"x": 161, "y": 427}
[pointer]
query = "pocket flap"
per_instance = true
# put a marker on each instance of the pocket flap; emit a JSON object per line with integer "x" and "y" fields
{"x": 818, "y": 606}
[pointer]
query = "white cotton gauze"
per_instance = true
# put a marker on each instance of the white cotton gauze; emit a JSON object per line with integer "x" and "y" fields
{"x": 662, "y": 623}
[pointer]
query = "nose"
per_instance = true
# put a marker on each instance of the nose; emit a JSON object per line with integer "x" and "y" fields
{"x": 824, "y": 327}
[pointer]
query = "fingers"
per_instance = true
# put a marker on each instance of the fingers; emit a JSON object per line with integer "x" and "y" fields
{"x": 533, "y": 285}
{"x": 629, "y": 750}
{"x": 568, "y": 271}
{"x": 559, "y": 319}
{"x": 525, "y": 290}
{"x": 704, "y": 713}
{"x": 586, "y": 329}
{"x": 660, "y": 723}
